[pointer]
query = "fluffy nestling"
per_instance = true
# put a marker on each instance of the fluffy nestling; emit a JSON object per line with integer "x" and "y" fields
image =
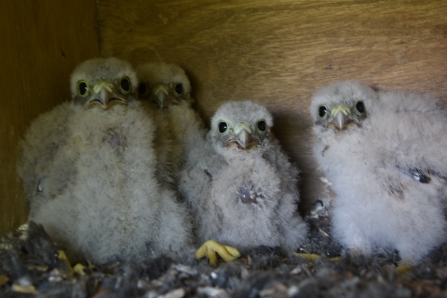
{"x": 240, "y": 185}
{"x": 108, "y": 204}
{"x": 384, "y": 155}
{"x": 165, "y": 88}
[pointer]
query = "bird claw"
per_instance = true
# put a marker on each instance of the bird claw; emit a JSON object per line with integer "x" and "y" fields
{"x": 402, "y": 269}
{"x": 210, "y": 249}
{"x": 79, "y": 269}
{"x": 62, "y": 256}
{"x": 307, "y": 256}
{"x": 313, "y": 257}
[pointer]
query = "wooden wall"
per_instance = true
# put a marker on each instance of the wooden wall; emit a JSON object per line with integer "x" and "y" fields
{"x": 274, "y": 52}
{"x": 278, "y": 52}
{"x": 42, "y": 41}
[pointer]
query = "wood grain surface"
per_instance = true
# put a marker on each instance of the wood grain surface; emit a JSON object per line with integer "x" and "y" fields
{"x": 273, "y": 52}
{"x": 42, "y": 41}
{"x": 278, "y": 52}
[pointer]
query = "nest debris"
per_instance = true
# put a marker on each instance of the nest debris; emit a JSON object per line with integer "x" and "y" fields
{"x": 32, "y": 266}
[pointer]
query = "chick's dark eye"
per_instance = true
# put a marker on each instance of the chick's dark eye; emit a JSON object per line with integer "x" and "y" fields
{"x": 322, "y": 111}
{"x": 222, "y": 127}
{"x": 261, "y": 125}
{"x": 178, "y": 88}
{"x": 82, "y": 88}
{"x": 142, "y": 89}
{"x": 125, "y": 84}
{"x": 360, "y": 107}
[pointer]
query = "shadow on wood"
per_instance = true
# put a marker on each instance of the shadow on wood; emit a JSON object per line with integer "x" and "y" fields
{"x": 42, "y": 42}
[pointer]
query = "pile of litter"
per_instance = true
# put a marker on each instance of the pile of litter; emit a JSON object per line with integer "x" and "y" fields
{"x": 32, "y": 266}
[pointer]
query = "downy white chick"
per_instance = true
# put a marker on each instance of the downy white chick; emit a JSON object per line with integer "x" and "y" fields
{"x": 384, "y": 155}
{"x": 240, "y": 185}
{"x": 164, "y": 87}
{"x": 42, "y": 140}
{"x": 110, "y": 205}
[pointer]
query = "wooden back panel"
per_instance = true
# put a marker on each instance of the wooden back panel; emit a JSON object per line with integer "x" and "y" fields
{"x": 278, "y": 52}
{"x": 42, "y": 41}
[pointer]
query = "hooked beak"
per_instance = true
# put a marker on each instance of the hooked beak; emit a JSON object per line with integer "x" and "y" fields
{"x": 161, "y": 96}
{"x": 105, "y": 96}
{"x": 341, "y": 116}
{"x": 244, "y": 136}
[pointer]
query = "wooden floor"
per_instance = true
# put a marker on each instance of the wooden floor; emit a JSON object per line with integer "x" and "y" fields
{"x": 278, "y": 52}
{"x": 273, "y": 52}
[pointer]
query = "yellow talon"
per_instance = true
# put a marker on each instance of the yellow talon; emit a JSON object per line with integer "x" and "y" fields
{"x": 211, "y": 248}
{"x": 307, "y": 256}
{"x": 403, "y": 268}
{"x": 79, "y": 269}
{"x": 62, "y": 256}
{"x": 314, "y": 257}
